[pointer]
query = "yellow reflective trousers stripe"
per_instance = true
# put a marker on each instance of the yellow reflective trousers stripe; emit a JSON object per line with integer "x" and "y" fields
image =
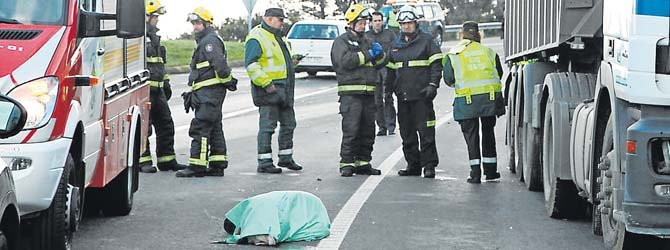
{"x": 218, "y": 158}
{"x": 166, "y": 158}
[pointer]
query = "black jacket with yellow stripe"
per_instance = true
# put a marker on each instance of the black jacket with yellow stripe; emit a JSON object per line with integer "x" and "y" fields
{"x": 414, "y": 62}
{"x": 155, "y": 55}
{"x": 356, "y": 70}
{"x": 209, "y": 60}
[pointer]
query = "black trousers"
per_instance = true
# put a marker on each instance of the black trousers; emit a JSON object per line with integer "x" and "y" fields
{"x": 208, "y": 147}
{"x": 160, "y": 119}
{"x": 417, "y": 130}
{"x": 487, "y": 153}
{"x": 358, "y": 129}
{"x": 385, "y": 114}
{"x": 267, "y": 124}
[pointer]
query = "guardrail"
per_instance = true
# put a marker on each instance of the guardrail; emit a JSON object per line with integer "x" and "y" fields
{"x": 482, "y": 26}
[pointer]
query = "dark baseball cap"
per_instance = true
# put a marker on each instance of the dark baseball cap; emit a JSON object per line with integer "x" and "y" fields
{"x": 470, "y": 26}
{"x": 276, "y": 12}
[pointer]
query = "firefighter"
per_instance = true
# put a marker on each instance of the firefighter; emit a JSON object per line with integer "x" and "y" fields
{"x": 475, "y": 71}
{"x": 210, "y": 78}
{"x": 270, "y": 67}
{"x": 160, "y": 117}
{"x": 356, "y": 60}
{"x": 414, "y": 74}
{"x": 385, "y": 115}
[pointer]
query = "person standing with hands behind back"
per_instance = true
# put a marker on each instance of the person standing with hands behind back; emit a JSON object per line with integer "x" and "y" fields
{"x": 415, "y": 72}
{"x": 475, "y": 71}
{"x": 355, "y": 59}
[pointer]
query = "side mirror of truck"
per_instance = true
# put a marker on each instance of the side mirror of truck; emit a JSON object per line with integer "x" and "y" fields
{"x": 12, "y": 117}
{"x": 130, "y": 18}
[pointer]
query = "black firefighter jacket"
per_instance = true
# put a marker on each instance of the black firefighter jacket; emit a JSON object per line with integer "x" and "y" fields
{"x": 355, "y": 69}
{"x": 413, "y": 65}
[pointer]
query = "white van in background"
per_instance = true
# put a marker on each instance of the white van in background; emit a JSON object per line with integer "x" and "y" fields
{"x": 314, "y": 39}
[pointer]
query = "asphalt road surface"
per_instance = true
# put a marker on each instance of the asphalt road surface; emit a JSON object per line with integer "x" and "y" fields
{"x": 380, "y": 212}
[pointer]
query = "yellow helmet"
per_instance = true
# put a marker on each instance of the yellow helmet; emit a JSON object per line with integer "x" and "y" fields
{"x": 200, "y": 13}
{"x": 154, "y": 7}
{"x": 356, "y": 12}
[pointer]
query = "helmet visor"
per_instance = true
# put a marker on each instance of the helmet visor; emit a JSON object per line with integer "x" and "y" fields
{"x": 365, "y": 14}
{"x": 160, "y": 11}
{"x": 407, "y": 16}
{"x": 192, "y": 17}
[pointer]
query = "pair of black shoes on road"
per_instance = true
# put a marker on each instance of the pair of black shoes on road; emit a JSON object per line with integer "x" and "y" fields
{"x": 475, "y": 176}
{"x": 428, "y": 172}
{"x": 385, "y": 132}
{"x": 150, "y": 169}
{"x": 292, "y": 165}
{"x": 360, "y": 170}
{"x": 200, "y": 172}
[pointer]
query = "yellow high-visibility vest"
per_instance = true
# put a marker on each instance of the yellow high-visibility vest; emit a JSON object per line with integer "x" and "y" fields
{"x": 271, "y": 65}
{"x": 474, "y": 70}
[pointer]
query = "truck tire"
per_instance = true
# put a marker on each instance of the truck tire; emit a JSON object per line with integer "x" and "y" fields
{"x": 51, "y": 230}
{"x": 511, "y": 117}
{"x": 560, "y": 196}
{"x": 518, "y": 131}
{"x": 120, "y": 191}
{"x": 4, "y": 244}
{"x": 532, "y": 171}
{"x": 615, "y": 235}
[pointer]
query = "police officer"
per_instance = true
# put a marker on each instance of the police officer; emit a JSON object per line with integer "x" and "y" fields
{"x": 475, "y": 71}
{"x": 159, "y": 117}
{"x": 355, "y": 59}
{"x": 270, "y": 66}
{"x": 385, "y": 115}
{"x": 414, "y": 74}
{"x": 210, "y": 78}
{"x": 392, "y": 21}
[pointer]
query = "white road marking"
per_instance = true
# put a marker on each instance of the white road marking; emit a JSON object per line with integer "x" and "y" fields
{"x": 348, "y": 213}
{"x": 252, "y": 109}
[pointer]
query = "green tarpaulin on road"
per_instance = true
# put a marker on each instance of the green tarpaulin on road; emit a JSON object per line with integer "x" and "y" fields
{"x": 285, "y": 215}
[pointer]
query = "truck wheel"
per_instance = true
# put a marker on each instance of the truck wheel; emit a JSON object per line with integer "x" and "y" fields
{"x": 4, "y": 245}
{"x": 511, "y": 165}
{"x": 52, "y": 229}
{"x": 532, "y": 171}
{"x": 518, "y": 130}
{"x": 615, "y": 235}
{"x": 560, "y": 196}
{"x": 119, "y": 192}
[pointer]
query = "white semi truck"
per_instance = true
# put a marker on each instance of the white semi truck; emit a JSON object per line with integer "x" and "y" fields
{"x": 588, "y": 93}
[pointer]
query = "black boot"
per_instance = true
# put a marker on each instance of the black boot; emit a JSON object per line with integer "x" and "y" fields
{"x": 382, "y": 132}
{"x": 171, "y": 165}
{"x": 429, "y": 172}
{"x": 292, "y": 165}
{"x": 269, "y": 169}
{"x": 216, "y": 168}
{"x": 347, "y": 171}
{"x": 367, "y": 169}
{"x": 147, "y": 168}
{"x": 475, "y": 175}
{"x": 410, "y": 171}
{"x": 491, "y": 172}
{"x": 191, "y": 172}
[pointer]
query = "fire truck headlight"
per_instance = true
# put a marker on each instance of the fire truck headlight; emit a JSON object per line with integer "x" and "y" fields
{"x": 38, "y": 97}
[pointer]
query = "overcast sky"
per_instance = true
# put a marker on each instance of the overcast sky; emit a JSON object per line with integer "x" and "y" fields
{"x": 173, "y": 23}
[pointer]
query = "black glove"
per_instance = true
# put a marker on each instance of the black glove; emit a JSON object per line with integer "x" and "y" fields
{"x": 430, "y": 92}
{"x": 167, "y": 89}
{"x": 190, "y": 101}
{"x": 232, "y": 85}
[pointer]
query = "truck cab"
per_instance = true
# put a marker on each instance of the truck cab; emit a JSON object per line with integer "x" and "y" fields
{"x": 78, "y": 68}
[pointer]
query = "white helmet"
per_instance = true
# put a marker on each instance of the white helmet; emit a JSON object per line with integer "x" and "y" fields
{"x": 408, "y": 14}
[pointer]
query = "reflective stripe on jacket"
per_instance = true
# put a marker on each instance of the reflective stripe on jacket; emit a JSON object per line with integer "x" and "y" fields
{"x": 355, "y": 69}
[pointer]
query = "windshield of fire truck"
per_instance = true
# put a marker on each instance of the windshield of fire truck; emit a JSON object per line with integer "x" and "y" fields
{"x": 44, "y": 12}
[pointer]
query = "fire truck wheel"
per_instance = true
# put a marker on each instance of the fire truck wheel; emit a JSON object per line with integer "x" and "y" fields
{"x": 51, "y": 230}
{"x": 119, "y": 192}
{"x": 4, "y": 245}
